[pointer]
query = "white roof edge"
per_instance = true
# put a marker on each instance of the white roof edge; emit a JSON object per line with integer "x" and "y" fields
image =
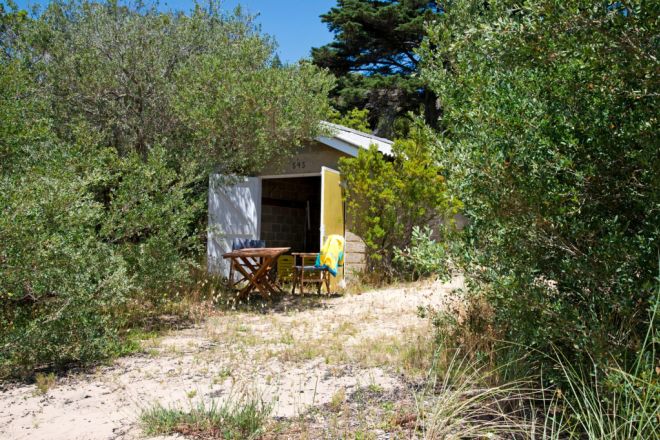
{"x": 348, "y": 140}
{"x": 340, "y": 145}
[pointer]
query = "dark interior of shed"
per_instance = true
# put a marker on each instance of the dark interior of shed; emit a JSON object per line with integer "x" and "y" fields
{"x": 291, "y": 213}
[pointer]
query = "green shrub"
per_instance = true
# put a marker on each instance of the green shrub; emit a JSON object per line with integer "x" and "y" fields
{"x": 150, "y": 218}
{"x": 615, "y": 404}
{"x": 200, "y": 85}
{"x": 111, "y": 117}
{"x": 386, "y": 197}
{"x": 424, "y": 256}
{"x": 59, "y": 283}
{"x": 355, "y": 118}
{"x": 552, "y": 145}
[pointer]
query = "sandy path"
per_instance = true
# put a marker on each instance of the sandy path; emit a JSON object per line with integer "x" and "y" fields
{"x": 291, "y": 358}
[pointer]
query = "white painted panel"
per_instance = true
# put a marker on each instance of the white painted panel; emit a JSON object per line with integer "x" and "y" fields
{"x": 234, "y": 212}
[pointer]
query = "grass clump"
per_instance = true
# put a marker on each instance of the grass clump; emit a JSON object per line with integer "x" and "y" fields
{"x": 464, "y": 399}
{"x": 337, "y": 400}
{"x": 241, "y": 419}
{"x": 611, "y": 403}
{"x": 487, "y": 391}
{"x": 44, "y": 382}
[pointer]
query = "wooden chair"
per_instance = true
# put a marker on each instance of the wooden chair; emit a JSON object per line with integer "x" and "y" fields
{"x": 302, "y": 273}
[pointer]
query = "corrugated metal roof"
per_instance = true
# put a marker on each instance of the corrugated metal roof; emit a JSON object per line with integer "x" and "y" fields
{"x": 355, "y": 138}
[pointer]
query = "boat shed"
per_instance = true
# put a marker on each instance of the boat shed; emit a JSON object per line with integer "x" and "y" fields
{"x": 296, "y": 204}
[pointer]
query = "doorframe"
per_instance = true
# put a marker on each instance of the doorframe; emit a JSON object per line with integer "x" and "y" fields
{"x": 290, "y": 176}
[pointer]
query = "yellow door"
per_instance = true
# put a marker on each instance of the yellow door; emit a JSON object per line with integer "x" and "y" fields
{"x": 332, "y": 212}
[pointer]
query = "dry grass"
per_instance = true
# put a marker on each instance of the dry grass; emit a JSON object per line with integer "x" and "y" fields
{"x": 355, "y": 346}
{"x": 410, "y": 351}
{"x": 337, "y": 400}
{"x": 232, "y": 329}
{"x": 44, "y": 382}
{"x": 298, "y": 337}
{"x": 459, "y": 401}
{"x": 363, "y": 414}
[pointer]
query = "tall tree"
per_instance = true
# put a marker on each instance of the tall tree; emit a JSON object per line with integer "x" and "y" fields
{"x": 132, "y": 71}
{"x": 374, "y": 57}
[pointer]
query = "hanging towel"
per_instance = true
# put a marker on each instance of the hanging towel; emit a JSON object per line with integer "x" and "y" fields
{"x": 332, "y": 254}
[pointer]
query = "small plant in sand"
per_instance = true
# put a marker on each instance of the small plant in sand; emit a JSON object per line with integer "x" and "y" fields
{"x": 338, "y": 400}
{"x": 375, "y": 388}
{"x": 44, "y": 382}
{"x": 240, "y": 417}
{"x": 222, "y": 375}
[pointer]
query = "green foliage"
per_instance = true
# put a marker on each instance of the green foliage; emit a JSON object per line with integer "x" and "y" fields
{"x": 202, "y": 86}
{"x": 257, "y": 114}
{"x": 150, "y": 218}
{"x": 58, "y": 284}
{"x": 355, "y": 118}
{"x": 424, "y": 256}
{"x": 110, "y": 118}
{"x": 387, "y": 197}
{"x": 242, "y": 418}
{"x": 551, "y": 143}
{"x": 373, "y": 56}
{"x": 44, "y": 382}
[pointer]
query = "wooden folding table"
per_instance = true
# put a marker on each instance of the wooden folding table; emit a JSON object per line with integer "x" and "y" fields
{"x": 255, "y": 265}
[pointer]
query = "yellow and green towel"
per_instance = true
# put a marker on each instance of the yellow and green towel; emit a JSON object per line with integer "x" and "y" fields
{"x": 332, "y": 254}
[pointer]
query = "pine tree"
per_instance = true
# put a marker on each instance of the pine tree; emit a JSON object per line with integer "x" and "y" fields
{"x": 373, "y": 56}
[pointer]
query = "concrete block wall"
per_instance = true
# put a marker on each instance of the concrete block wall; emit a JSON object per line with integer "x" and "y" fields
{"x": 355, "y": 259}
{"x": 283, "y": 213}
{"x": 281, "y": 226}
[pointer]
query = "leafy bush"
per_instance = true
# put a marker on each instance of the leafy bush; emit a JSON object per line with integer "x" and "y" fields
{"x": 617, "y": 403}
{"x": 199, "y": 85}
{"x": 104, "y": 158}
{"x": 586, "y": 402}
{"x": 424, "y": 256}
{"x": 51, "y": 269}
{"x": 386, "y": 197}
{"x": 150, "y": 218}
{"x": 551, "y": 144}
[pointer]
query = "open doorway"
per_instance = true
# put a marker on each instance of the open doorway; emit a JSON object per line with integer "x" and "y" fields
{"x": 291, "y": 212}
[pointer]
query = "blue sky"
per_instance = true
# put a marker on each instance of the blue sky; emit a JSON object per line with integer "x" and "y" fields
{"x": 295, "y": 24}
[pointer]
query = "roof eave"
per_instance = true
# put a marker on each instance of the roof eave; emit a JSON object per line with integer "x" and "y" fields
{"x": 352, "y": 148}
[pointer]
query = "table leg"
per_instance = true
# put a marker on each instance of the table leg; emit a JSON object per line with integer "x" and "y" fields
{"x": 256, "y": 271}
{"x": 248, "y": 277}
{"x": 272, "y": 286}
{"x": 258, "y": 278}
{"x": 294, "y": 281}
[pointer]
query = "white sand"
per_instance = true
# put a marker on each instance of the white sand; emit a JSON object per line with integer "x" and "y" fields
{"x": 192, "y": 364}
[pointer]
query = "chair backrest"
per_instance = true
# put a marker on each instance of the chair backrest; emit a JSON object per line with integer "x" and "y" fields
{"x": 244, "y": 243}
